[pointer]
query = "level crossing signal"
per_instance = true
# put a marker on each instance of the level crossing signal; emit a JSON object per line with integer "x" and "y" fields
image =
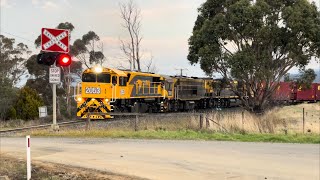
{"x": 49, "y": 58}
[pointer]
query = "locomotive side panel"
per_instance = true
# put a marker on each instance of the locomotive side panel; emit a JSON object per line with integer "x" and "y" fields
{"x": 190, "y": 89}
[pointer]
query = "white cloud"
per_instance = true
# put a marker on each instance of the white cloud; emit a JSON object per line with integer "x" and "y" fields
{"x": 49, "y": 5}
{"x": 110, "y": 42}
{"x": 6, "y": 3}
{"x": 3, "y": 3}
{"x": 44, "y": 4}
{"x": 34, "y": 2}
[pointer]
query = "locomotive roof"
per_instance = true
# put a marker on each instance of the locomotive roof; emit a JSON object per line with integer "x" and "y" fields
{"x": 106, "y": 70}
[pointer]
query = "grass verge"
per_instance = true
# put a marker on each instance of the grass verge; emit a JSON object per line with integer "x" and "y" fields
{"x": 183, "y": 135}
{"x": 14, "y": 168}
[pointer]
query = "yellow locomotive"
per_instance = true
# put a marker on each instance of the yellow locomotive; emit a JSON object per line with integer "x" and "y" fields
{"x": 106, "y": 90}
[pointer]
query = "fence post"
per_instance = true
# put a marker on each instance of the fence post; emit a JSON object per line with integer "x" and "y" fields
{"x": 137, "y": 118}
{"x": 303, "y": 120}
{"x": 207, "y": 122}
{"x": 201, "y": 121}
{"x": 88, "y": 123}
{"x": 242, "y": 119}
{"x": 135, "y": 123}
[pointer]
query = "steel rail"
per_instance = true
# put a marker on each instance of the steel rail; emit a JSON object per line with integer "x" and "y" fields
{"x": 40, "y": 126}
{"x": 116, "y": 116}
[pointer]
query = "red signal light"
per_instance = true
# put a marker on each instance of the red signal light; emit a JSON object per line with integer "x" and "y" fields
{"x": 64, "y": 60}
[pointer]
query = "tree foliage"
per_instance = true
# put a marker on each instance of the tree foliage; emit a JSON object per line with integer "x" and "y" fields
{"x": 12, "y": 68}
{"x": 287, "y": 77}
{"x": 7, "y": 96}
{"x": 39, "y": 80}
{"x": 256, "y": 42}
{"x": 88, "y": 49}
{"x": 306, "y": 78}
{"x": 28, "y": 102}
{"x": 12, "y": 59}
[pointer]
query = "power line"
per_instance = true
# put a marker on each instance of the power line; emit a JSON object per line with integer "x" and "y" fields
{"x": 181, "y": 70}
{"x": 16, "y": 36}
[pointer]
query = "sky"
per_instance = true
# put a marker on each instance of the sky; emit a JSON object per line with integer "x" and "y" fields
{"x": 166, "y": 27}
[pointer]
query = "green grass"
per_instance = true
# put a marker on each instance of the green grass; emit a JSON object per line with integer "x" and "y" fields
{"x": 184, "y": 135}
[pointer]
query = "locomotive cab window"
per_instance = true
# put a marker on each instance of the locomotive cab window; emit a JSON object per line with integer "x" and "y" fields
{"x": 156, "y": 79}
{"x": 89, "y": 77}
{"x": 103, "y": 78}
{"x": 170, "y": 86}
{"x": 123, "y": 81}
{"x": 114, "y": 80}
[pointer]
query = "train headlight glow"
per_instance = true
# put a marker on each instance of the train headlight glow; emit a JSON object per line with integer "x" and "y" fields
{"x": 106, "y": 100}
{"x": 98, "y": 69}
{"x": 79, "y": 99}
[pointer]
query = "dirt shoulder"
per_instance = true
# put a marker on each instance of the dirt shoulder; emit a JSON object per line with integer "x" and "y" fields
{"x": 14, "y": 168}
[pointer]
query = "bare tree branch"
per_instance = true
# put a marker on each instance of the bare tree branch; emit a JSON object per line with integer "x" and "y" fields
{"x": 131, "y": 16}
{"x": 150, "y": 65}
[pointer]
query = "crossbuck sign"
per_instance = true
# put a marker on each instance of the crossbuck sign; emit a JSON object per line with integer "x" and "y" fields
{"x": 55, "y": 40}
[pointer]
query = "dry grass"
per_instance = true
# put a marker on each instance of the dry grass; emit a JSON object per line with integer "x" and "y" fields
{"x": 288, "y": 119}
{"x": 10, "y": 124}
{"x": 280, "y": 120}
{"x": 279, "y": 125}
{"x": 15, "y": 168}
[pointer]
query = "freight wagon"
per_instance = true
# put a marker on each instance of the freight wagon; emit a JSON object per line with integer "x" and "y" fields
{"x": 292, "y": 92}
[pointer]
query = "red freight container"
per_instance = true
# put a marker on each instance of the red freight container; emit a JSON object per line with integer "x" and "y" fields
{"x": 317, "y": 91}
{"x": 283, "y": 92}
{"x": 304, "y": 94}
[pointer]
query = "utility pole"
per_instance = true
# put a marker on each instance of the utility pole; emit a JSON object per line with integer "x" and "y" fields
{"x": 56, "y": 70}
{"x": 181, "y": 70}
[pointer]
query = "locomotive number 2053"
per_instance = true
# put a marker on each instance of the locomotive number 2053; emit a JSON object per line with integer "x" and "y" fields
{"x": 93, "y": 90}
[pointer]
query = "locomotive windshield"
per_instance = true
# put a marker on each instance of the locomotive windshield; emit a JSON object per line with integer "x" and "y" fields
{"x": 103, "y": 78}
{"x": 88, "y": 77}
{"x": 91, "y": 77}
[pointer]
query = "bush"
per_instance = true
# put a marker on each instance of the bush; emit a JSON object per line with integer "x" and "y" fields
{"x": 27, "y": 104}
{"x": 12, "y": 113}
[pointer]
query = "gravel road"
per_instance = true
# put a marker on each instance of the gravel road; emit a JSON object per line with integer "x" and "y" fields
{"x": 160, "y": 159}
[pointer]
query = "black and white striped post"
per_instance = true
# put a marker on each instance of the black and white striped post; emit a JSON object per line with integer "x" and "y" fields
{"x": 28, "y": 158}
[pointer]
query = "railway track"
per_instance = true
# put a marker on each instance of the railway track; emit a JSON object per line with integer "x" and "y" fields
{"x": 117, "y": 117}
{"x": 61, "y": 124}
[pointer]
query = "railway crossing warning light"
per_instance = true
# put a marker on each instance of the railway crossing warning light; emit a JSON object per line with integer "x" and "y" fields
{"x": 49, "y": 58}
{"x": 64, "y": 59}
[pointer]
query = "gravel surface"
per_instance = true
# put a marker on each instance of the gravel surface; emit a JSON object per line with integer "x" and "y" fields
{"x": 160, "y": 159}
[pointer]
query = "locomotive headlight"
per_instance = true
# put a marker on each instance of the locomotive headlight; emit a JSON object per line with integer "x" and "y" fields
{"x": 98, "y": 69}
{"x": 79, "y": 99}
{"x": 106, "y": 100}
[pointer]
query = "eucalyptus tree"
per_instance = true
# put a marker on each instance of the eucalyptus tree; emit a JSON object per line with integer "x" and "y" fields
{"x": 256, "y": 42}
{"x": 12, "y": 69}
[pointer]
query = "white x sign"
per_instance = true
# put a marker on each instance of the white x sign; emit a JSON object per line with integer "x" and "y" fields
{"x": 55, "y": 40}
